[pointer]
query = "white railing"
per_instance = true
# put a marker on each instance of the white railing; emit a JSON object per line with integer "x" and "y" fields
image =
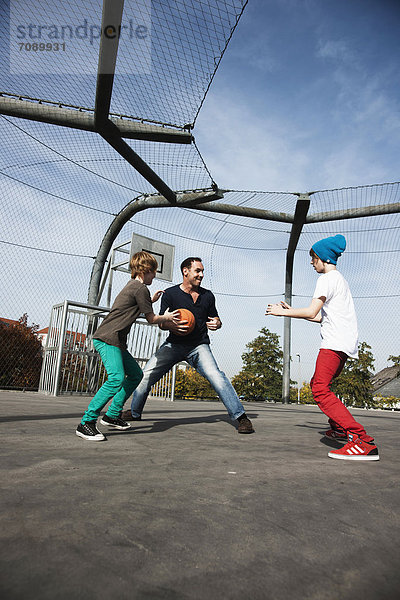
{"x": 72, "y": 366}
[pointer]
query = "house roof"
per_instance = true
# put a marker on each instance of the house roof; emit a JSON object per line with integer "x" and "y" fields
{"x": 387, "y": 382}
{"x": 8, "y": 321}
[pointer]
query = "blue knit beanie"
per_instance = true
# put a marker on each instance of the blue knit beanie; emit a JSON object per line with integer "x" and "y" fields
{"x": 329, "y": 249}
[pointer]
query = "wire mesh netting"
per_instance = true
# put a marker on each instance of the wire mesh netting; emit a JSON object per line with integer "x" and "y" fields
{"x": 162, "y": 79}
{"x": 369, "y": 264}
{"x": 48, "y": 257}
{"x": 62, "y": 188}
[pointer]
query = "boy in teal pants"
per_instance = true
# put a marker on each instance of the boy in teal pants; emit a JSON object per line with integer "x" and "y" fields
{"x": 123, "y": 372}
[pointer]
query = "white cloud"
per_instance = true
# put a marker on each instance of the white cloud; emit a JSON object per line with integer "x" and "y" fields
{"x": 251, "y": 151}
{"x": 335, "y": 49}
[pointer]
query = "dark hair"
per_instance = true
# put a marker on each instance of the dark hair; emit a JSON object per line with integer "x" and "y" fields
{"x": 187, "y": 263}
{"x": 313, "y": 254}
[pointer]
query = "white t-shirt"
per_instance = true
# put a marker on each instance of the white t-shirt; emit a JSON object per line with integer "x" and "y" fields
{"x": 339, "y": 322}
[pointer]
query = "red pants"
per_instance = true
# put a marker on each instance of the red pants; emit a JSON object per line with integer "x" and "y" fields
{"x": 329, "y": 365}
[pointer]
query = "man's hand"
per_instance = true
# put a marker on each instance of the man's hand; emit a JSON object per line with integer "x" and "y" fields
{"x": 157, "y": 295}
{"x": 214, "y": 323}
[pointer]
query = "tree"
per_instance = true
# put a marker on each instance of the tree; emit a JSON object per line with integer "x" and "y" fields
{"x": 180, "y": 388}
{"x": 396, "y": 362}
{"x": 386, "y": 402}
{"x": 306, "y": 396}
{"x": 261, "y": 375}
{"x": 189, "y": 383}
{"x": 20, "y": 355}
{"x": 353, "y": 386}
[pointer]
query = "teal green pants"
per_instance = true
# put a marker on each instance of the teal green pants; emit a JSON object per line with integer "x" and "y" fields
{"x": 124, "y": 375}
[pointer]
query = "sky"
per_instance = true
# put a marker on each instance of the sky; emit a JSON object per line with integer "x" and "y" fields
{"x": 306, "y": 97}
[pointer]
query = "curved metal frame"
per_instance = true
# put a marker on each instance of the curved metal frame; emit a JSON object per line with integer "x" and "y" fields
{"x": 204, "y": 201}
{"x": 113, "y": 130}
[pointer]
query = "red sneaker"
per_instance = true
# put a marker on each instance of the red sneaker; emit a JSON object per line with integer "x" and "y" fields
{"x": 356, "y": 449}
{"x": 338, "y": 436}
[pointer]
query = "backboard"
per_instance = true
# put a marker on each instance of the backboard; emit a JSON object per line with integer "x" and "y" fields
{"x": 163, "y": 253}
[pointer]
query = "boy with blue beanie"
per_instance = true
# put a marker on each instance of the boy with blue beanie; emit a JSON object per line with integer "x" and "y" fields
{"x": 332, "y": 306}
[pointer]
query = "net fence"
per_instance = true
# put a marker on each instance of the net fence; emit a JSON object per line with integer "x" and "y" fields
{"x": 168, "y": 53}
{"x": 63, "y": 187}
{"x": 49, "y": 245}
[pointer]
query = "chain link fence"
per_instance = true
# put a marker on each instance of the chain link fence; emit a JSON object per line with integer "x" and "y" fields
{"x": 62, "y": 189}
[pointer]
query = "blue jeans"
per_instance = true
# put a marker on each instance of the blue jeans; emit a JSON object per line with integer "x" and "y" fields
{"x": 124, "y": 374}
{"x": 200, "y": 358}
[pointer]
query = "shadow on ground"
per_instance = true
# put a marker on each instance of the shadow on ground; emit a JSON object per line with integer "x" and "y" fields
{"x": 194, "y": 510}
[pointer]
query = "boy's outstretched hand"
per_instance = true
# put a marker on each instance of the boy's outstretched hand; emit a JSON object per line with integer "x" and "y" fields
{"x": 277, "y": 310}
{"x": 157, "y": 295}
{"x": 172, "y": 317}
{"x": 174, "y": 323}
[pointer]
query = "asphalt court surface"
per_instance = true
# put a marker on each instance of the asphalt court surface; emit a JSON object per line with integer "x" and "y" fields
{"x": 182, "y": 507}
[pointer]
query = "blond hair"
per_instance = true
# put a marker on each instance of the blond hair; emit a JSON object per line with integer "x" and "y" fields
{"x": 142, "y": 262}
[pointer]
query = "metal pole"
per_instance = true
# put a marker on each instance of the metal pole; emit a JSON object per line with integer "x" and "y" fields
{"x": 103, "y": 283}
{"x": 298, "y": 382}
{"x": 354, "y": 213}
{"x": 60, "y": 348}
{"x": 83, "y": 119}
{"x": 302, "y": 206}
{"x": 110, "y": 280}
{"x": 246, "y": 211}
{"x": 287, "y": 331}
{"x": 173, "y": 383}
{"x": 110, "y": 133}
{"x": 108, "y": 51}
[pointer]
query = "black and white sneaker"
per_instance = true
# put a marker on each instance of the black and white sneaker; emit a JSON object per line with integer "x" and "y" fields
{"x": 117, "y": 423}
{"x": 88, "y": 431}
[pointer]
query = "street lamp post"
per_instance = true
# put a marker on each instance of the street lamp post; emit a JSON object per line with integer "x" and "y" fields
{"x": 299, "y": 381}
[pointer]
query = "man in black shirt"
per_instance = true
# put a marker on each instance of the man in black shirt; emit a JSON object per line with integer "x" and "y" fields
{"x": 194, "y": 347}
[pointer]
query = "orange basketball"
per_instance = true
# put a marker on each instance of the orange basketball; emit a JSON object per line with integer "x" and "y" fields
{"x": 186, "y": 315}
